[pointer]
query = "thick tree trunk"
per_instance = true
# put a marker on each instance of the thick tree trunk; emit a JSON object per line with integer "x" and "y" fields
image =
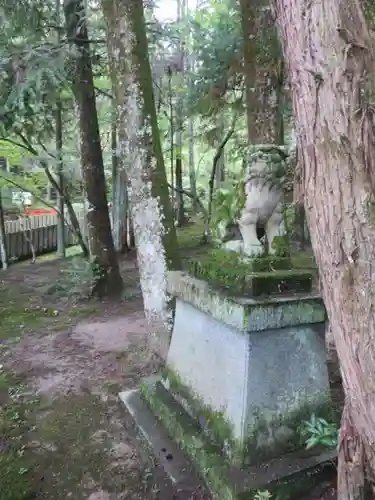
{"x": 155, "y": 235}
{"x": 329, "y": 63}
{"x": 262, "y": 73}
{"x": 107, "y": 275}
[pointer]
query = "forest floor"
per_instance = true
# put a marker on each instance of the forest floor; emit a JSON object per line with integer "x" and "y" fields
{"x": 63, "y": 360}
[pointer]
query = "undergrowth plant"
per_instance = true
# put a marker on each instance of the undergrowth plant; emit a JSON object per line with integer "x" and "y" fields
{"x": 77, "y": 279}
{"x": 227, "y": 206}
{"x": 318, "y": 432}
{"x": 263, "y": 495}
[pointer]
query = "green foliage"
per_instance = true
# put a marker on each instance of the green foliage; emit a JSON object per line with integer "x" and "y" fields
{"x": 227, "y": 206}
{"x": 319, "y": 432}
{"x": 76, "y": 281}
{"x": 217, "y": 44}
{"x": 281, "y": 245}
{"x": 263, "y": 495}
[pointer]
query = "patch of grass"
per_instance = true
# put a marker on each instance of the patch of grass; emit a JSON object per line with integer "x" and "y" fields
{"x": 17, "y": 315}
{"x": 69, "y": 252}
{"x": 16, "y": 474}
{"x": 190, "y": 236}
{"x": 22, "y": 314}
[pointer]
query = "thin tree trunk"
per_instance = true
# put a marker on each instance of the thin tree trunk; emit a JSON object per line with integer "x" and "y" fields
{"x": 72, "y": 215}
{"x": 192, "y": 177}
{"x": 119, "y": 197}
{"x": 329, "y": 63}
{"x": 180, "y": 209}
{"x": 60, "y": 166}
{"x": 107, "y": 275}
{"x": 211, "y": 183}
{"x": 119, "y": 178}
{"x": 171, "y": 135}
{"x": 131, "y": 241}
{"x": 190, "y": 67}
{"x": 3, "y": 247}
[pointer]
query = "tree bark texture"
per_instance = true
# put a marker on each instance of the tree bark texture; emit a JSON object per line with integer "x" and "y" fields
{"x": 107, "y": 275}
{"x": 263, "y": 68}
{"x": 329, "y": 54}
{"x": 60, "y": 165}
{"x": 119, "y": 177}
{"x": 139, "y": 142}
{"x": 179, "y": 197}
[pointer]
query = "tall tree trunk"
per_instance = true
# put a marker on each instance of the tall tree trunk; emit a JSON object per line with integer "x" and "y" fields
{"x": 192, "y": 176}
{"x": 261, "y": 73}
{"x": 180, "y": 209}
{"x": 60, "y": 166}
{"x": 107, "y": 275}
{"x": 329, "y": 66}
{"x": 119, "y": 197}
{"x": 154, "y": 230}
{"x": 3, "y": 247}
{"x": 171, "y": 136}
{"x": 119, "y": 178}
{"x": 220, "y": 167}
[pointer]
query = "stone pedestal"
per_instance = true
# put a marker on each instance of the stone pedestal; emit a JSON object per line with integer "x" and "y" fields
{"x": 241, "y": 372}
{"x": 248, "y": 370}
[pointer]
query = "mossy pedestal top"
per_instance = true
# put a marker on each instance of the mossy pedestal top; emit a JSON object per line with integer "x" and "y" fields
{"x": 250, "y": 277}
{"x": 245, "y": 313}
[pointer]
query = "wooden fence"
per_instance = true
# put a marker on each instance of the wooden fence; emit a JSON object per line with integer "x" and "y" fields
{"x": 41, "y": 230}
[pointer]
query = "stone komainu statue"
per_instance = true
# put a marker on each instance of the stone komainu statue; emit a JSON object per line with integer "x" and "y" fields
{"x": 266, "y": 169}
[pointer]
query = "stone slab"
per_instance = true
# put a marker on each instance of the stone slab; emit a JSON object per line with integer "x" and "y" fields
{"x": 247, "y": 314}
{"x": 293, "y": 474}
{"x": 177, "y": 467}
{"x": 247, "y": 389}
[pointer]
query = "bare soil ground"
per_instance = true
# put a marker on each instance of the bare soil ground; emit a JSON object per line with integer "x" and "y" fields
{"x": 70, "y": 358}
{"x": 63, "y": 360}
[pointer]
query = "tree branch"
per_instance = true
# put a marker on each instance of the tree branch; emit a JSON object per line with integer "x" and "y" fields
{"x": 103, "y": 92}
{"x": 190, "y": 195}
{"x": 216, "y": 159}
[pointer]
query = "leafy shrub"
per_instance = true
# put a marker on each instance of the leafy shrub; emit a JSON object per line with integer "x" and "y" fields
{"x": 319, "y": 432}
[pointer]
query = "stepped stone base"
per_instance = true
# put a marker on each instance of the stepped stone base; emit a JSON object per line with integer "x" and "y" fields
{"x": 289, "y": 476}
{"x": 242, "y": 373}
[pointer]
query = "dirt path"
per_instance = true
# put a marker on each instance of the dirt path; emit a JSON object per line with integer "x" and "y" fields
{"x": 60, "y": 419}
{"x": 72, "y": 359}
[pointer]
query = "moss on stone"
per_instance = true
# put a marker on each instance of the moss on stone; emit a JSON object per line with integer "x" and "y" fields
{"x": 280, "y": 245}
{"x": 246, "y": 314}
{"x": 208, "y": 458}
{"x": 267, "y": 263}
{"x": 213, "y": 423}
{"x": 283, "y": 433}
{"x": 250, "y": 278}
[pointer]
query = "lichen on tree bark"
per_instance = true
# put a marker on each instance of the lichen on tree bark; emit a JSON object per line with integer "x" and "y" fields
{"x": 139, "y": 142}
{"x": 329, "y": 53}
